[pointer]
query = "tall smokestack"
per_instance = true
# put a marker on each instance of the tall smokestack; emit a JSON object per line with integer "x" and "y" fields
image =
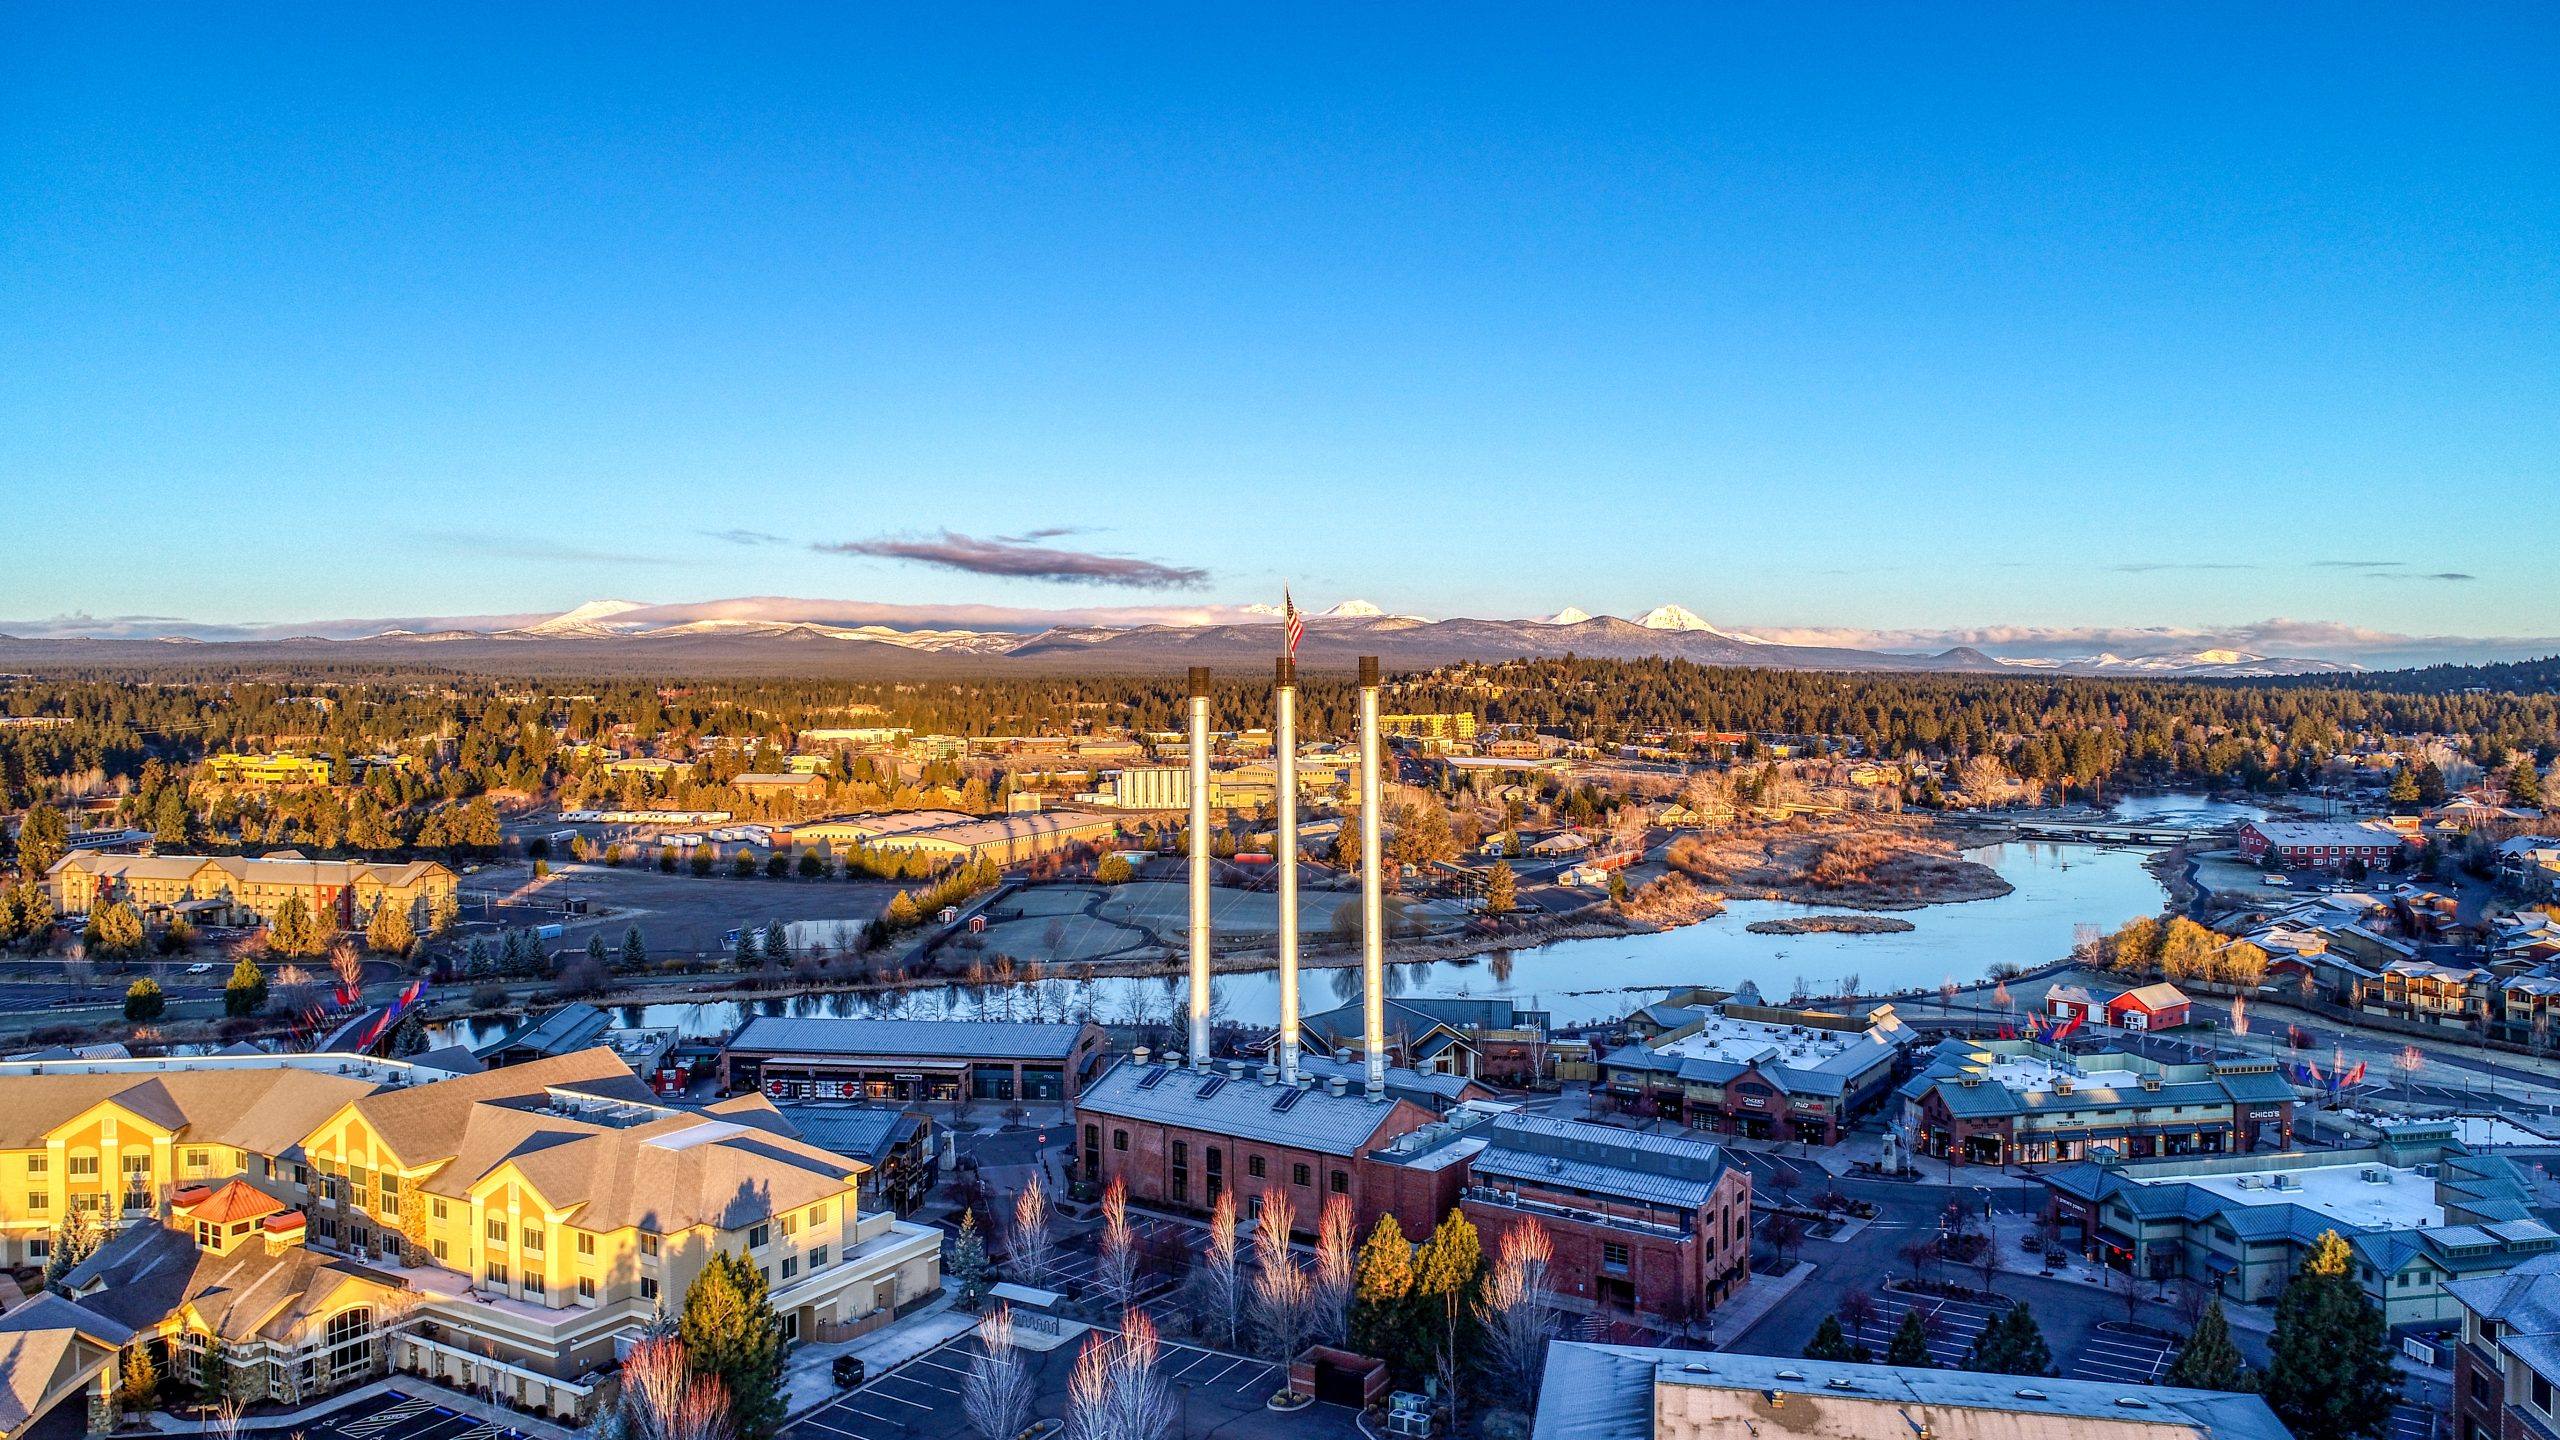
{"x": 1200, "y": 866}
{"x": 1284, "y": 701}
{"x": 1373, "y": 900}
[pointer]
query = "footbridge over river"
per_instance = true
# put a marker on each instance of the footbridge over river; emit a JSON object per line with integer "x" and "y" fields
{"x": 2119, "y": 832}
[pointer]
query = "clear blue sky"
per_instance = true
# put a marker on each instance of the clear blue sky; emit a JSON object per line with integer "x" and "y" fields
{"x": 1898, "y": 315}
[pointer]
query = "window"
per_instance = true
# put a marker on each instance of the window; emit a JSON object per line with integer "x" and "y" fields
{"x": 532, "y": 1240}
{"x": 818, "y": 1214}
{"x": 39, "y": 1164}
{"x": 587, "y": 1288}
{"x": 790, "y": 1226}
{"x": 817, "y": 1257}
{"x": 2539, "y": 1389}
{"x": 39, "y": 1248}
{"x": 389, "y": 1206}
{"x": 532, "y": 1283}
{"x": 1092, "y": 1149}
{"x": 1613, "y": 1255}
{"x": 790, "y": 1266}
{"x": 1119, "y": 1139}
{"x": 439, "y": 1252}
{"x": 497, "y": 1272}
{"x": 757, "y": 1236}
{"x": 84, "y": 1167}
{"x": 586, "y": 1243}
{"x": 197, "y": 1159}
{"x": 648, "y": 1288}
{"x": 1253, "y": 1166}
{"x": 1340, "y": 1182}
{"x": 39, "y": 1200}
{"x": 438, "y": 1208}
{"x": 497, "y": 1229}
{"x": 1300, "y": 1175}
{"x": 648, "y": 1244}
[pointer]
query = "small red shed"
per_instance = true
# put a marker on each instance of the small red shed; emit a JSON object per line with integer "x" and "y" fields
{"x": 2152, "y": 1007}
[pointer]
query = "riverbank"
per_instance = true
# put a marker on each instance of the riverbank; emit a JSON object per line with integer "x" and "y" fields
{"x": 1832, "y": 925}
{"x": 1868, "y": 863}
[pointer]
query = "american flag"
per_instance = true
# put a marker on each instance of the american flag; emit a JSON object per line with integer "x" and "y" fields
{"x": 1297, "y": 623}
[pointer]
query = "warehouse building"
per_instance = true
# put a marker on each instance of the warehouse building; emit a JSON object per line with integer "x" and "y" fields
{"x": 815, "y": 1058}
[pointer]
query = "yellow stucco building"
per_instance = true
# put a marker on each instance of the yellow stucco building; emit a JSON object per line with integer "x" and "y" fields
{"x": 231, "y": 889}
{"x": 316, "y": 1220}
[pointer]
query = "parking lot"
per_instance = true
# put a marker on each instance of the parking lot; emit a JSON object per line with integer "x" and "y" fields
{"x": 1953, "y": 1325}
{"x": 394, "y": 1416}
{"x": 2126, "y": 1356}
{"x": 920, "y": 1400}
{"x": 2413, "y": 1422}
{"x": 1157, "y": 1237}
{"x": 680, "y": 914}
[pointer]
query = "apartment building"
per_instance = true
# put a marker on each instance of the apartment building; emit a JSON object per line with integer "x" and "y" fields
{"x": 236, "y": 890}
{"x": 1757, "y": 1071}
{"x": 2506, "y": 1373}
{"x": 311, "y": 1221}
{"x": 266, "y": 771}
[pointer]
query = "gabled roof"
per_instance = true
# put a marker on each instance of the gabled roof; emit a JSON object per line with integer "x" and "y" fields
{"x": 425, "y": 1123}
{"x": 237, "y": 1200}
{"x": 1222, "y": 1104}
{"x": 267, "y": 1110}
{"x": 965, "y": 1039}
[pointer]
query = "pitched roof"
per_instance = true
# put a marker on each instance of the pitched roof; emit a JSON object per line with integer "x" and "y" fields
{"x": 962, "y": 1039}
{"x": 265, "y": 1109}
{"x": 426, "y": 1123}
{"x": 1601, "y": 1160}
{"x": 238, "y": 1200}
{"x": 1222, "y": 1104}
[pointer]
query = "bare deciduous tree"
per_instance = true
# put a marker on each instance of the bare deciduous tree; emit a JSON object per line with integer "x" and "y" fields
{"x": 996, "y": 1393}
{"x": 1217, "y": 1286}
{"x": 1337, "y": 1258}
{"x": 1089, "y": 1414}
{"x": 665, "y": 1398}
{"x": 348, "y": 962}
{"x": 1518, "y": 1310}
{"x": 1033, "y": 1250}
{"x": 1281, "y": 1299}
{"x": 1142, "y": 1405}
{"x": 1115, "y": 1256}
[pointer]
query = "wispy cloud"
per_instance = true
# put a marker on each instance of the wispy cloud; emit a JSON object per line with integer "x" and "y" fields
{"x": 2452, "y": 575}
{"x": 1018, "y": 557}
{"x": 745, "y": 537}
{"x": 2357, "y": 564}
{"x": 2146, "y": 567}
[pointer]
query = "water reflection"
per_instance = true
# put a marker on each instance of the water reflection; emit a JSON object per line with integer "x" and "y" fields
{"x": 2062, "y": 891}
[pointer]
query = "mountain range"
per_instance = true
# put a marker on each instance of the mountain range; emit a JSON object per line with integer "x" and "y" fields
{"x": 777, "y": 635}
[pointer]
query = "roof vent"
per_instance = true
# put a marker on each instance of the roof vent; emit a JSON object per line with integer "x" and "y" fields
{"x": 2133, "y": 1402}
{"x": 1841, "y": 1382}
{"x": 2031, "y": 1393}
{"x": 1790, "y": 1374}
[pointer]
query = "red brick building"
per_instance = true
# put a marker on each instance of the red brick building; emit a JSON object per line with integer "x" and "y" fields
{"x": 2323, "y": 844}
{"x": 1649, "y": 1227}
{"x": 2506, "y": 1371}
{"x": 1179, "y": 1138}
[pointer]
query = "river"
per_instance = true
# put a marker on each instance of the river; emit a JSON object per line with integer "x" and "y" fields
{"x": 2061, "y": 891}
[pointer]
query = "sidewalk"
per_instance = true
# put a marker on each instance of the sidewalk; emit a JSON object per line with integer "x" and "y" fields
{"x": 517, "y": 1423}
{"x": 808, "y": 1378}
{"x": 1734, "y": 1320}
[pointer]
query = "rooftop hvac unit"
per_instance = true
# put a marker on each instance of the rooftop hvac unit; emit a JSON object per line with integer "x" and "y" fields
{"x": 2374, "y": 1176}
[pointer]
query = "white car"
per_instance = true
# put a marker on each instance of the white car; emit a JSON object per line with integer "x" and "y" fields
{"x": 201, "y": 967}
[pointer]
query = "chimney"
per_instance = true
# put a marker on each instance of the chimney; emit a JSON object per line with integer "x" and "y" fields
{"x": 1199, "y": 864}
{"x": 1373, "y": 905}
{"x": 1284, "y": 700}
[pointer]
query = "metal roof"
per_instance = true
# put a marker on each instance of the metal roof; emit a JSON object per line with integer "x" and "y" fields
{"x": 965, "y": 1039}
{"x": 1601, "y": 1160}
{"x": 1219, "y": 1103}
{"x": 1616, "y": 1392}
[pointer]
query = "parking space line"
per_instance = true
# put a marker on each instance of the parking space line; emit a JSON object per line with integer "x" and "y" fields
{"x": 813, "y": 1421}
{"x": 929, "y": 1361}
{"x": 879, "y": 1393}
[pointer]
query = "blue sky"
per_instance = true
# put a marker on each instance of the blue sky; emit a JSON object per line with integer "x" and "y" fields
{"x": 1800, "y": 316}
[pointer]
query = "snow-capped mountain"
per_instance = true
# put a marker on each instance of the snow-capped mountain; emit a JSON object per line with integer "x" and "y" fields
{"x": 1569, "y": 615}
{"x": 589, "y": 619}
{"x": 1680, "y": 617}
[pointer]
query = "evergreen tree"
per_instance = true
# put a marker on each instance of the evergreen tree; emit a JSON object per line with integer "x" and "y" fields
{"x": 1446, "y": 1269}
{"x": 143, "y": 1001}
{"x": 2209, "y": 1360}
{"x": 2524, "y": 787}
{"x": 902, "y": 913}
{"x": 2330, "y": 1375}
{"x": 729, "y": 1329}
{"x": 74, "y": 1240}
{"x": 1830, "y": 1342}
{"x": 1382, "y": 1291}
{"x": 2404, "y": 786}
{"x": 2012, "y": 1344}
{"x": 43, "y": 837}
{"x": 295, "y": 930}
{"x": 1910, "y": 1347}
{"x": 390, "y": 931}
{"x": 750, "y": 949}
{"x": 141, "y": 1379}
{"x": 443, "y": 913}
{"x": 114, "y": 932}
{"x": 969, "y": 1262}
{"x": 635, "y": 951}
{"x": 1501, "y": 888}
{"x": 597, "y": 955}
{"x": 245, "y": 993}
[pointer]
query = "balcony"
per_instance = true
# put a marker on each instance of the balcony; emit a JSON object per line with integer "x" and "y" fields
{"x": 1507, "y": 1200}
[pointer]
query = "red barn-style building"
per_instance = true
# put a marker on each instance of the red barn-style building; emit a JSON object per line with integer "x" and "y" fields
{"x": 2151, "y": 1007}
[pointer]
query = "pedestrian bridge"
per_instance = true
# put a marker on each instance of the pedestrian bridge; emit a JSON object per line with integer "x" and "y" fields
{"x": 2104, "y": 832}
